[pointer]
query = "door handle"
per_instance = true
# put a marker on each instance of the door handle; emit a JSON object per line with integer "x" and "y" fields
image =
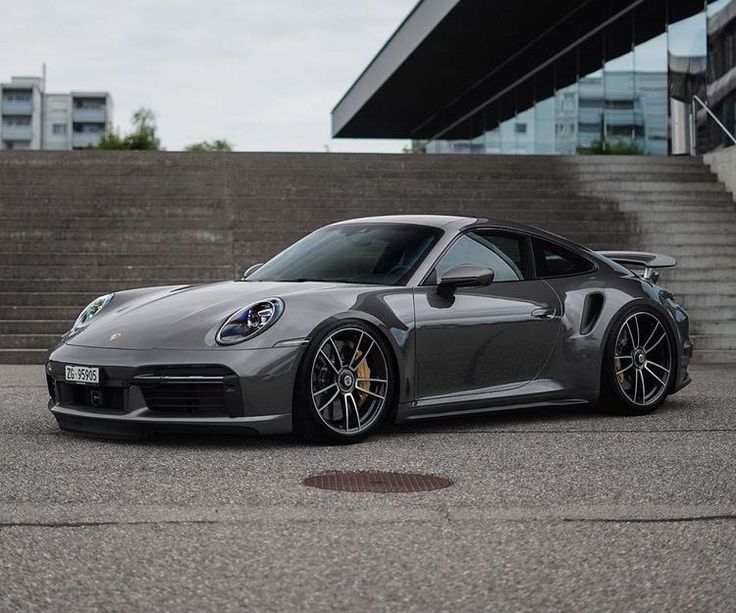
{"x": 544, "y": 313}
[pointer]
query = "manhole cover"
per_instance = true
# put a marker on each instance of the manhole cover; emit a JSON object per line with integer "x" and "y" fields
{"x": 376, "y": 481}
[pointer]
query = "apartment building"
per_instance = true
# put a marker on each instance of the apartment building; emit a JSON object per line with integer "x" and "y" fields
{"x": 31, "y": 118}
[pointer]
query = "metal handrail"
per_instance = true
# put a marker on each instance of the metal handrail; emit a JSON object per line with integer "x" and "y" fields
{"x": 712, "y": 115}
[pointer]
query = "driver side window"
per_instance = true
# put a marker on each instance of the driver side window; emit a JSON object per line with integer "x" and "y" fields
{"x": 501, "y": 253}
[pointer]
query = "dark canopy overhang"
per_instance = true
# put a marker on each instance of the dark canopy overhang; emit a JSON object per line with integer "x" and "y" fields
{"x": 450, "y": 57}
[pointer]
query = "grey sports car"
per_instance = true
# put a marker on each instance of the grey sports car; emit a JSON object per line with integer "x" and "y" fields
{"x": 376, "y": 320}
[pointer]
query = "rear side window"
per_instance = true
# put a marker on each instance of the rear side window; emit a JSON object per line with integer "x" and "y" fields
{"x": 552, "y": 260}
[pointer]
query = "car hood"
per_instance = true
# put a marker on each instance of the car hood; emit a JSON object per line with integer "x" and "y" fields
{"x": 186, "y": 317}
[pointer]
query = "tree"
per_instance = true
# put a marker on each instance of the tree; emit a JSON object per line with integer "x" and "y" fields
{"x": 143, "y": 137}
{"x": 215, "y": 145}
{"x": 602, "y": 146}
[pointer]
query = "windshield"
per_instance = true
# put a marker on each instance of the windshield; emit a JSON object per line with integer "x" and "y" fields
{"x": 383, "y": 254}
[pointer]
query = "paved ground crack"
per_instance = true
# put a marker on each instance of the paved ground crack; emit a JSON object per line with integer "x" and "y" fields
{"x": 649, "y": 520}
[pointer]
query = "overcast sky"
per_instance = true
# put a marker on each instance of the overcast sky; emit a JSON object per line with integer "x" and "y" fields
{"x": 264, "y": 74}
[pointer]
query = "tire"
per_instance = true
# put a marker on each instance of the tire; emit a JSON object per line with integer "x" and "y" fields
{"x": 345, "y": 386}
{"x": 639, "y": 362}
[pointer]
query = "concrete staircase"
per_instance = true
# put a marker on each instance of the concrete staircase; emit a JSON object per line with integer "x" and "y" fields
{"x": 75, "y": 225}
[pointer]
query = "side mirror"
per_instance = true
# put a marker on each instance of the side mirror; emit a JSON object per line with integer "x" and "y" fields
{"x": 464, "y": 276}
{"x": 251, "y": 270}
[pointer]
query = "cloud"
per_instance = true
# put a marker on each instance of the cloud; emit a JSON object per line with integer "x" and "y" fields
{"x": 263, "y": 74}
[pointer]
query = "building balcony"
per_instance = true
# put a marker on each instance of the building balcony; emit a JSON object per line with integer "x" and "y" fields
{"x": 15, "y": 132}
{"x": 17, "y": 107}
{"x": 82, "y": 140}
{"x": 96, "y": 115}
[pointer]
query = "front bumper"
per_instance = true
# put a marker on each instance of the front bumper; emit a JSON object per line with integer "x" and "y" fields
{"x": 149, "y": 391}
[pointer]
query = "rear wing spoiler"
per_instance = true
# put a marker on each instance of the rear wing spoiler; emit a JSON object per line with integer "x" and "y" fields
{"x": 641, "y": 259}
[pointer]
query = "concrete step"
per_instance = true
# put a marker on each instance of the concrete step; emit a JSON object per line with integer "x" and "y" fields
{"x": 275, "y": 204}
{"x": 270, "y": 232}
{"x": 23, "y": 356}
{"x": 674, "y": 226}
{"x": 666, "y": 240}
{"x": 78, "y": 300}
{"x": 718, "y": 342}
{"x": 109, "y": 272}
{"x": 714, "y": 356}
{"x": 101, "y": 260}
{"x": 28, "y": 341}
{"x": 531, "y": 214}
{"x": 268, "y": 207}
{"x": 200, "y": 182}
{"x": 21, "y": 312}
{"x": 92, "y": 222}
{"x": 702, "y": 288}
{"x": 88, "y": 285}
{"x": 706, "y": 301}
{"x": 675, "y": 208}
{"x": 33, "y": 326}
{"x": 722, "y": 313}
{"x": 684, "y": 251}
{"x": 20, "y": 177}
{"x": 320, "y": 193}
{"x": 142, "y": 162}
{"x": 153, "y": 235}
{"x": 700, "y": 262}
{"x": 695, "y": 215}
{"x": 671, "y": 198}
{"x": 32, "y": 207}
{"x": 92, "y": 247}
{"x": 701, "y": 274}
{"x": 724, "y": 327}
{"x": 597, "y": 187}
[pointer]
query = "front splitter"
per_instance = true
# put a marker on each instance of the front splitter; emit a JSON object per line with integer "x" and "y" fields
{"x": 126, "y": 426}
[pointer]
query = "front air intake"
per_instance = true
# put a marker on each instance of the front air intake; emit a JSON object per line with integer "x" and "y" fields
{"x": 191, "y": 391}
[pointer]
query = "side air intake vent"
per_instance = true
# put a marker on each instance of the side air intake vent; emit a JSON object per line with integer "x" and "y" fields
{"x": 591, "y": 311}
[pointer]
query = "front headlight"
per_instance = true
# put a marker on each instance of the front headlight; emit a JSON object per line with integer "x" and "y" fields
{"x": 250, "y": 321}
{"x": 91, "y": 310}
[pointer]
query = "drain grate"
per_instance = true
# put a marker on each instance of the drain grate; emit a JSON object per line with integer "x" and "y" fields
{"x": 376, "y": 481}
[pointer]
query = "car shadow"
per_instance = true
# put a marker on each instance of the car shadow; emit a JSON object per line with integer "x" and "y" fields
{"x": 545, "y": 419}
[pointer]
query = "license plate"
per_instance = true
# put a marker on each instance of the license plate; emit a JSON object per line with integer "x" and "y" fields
{"x": 82, "y": 374}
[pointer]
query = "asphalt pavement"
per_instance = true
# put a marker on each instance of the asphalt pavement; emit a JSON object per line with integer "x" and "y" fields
{"x": 549, "y": 510}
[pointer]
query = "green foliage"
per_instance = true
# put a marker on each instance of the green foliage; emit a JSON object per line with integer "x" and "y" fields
{"x": 110, "y": 140}
{"x": 603, "y": 147}
{"x": 215, "y": 145}
{"x": 143, "y": 137}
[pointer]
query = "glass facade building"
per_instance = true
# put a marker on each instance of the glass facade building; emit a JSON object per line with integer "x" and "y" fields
{"x": 624, "y": 105}
{"x": 623, "y": 83}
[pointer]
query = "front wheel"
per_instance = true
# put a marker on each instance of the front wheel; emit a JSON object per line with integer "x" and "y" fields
{"x": 345, "y": 385}
{"x": 638, "y": 365}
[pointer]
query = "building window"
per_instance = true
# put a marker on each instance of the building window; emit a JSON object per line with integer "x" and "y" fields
{"x": 568, "y": 103}
{"x": 89, "y": 128}
{"x": 59, "y": 129}
{"x": 89, "y": 103}
{"x": 17, "y": 96}
{"x": 520, "y": 128}
{"x": 12, "y": 120}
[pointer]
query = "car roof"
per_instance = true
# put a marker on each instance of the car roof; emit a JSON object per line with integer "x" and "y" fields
{"x": 434, "y": 221}
{"x": 458, "y": 223}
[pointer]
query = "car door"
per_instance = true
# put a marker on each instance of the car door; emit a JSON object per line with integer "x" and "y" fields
{"x": 484, "y": 339}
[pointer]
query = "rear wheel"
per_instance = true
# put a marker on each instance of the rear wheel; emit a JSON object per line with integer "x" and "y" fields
{"x": 345, "y": 385}
{"x": 638, "y": 366}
